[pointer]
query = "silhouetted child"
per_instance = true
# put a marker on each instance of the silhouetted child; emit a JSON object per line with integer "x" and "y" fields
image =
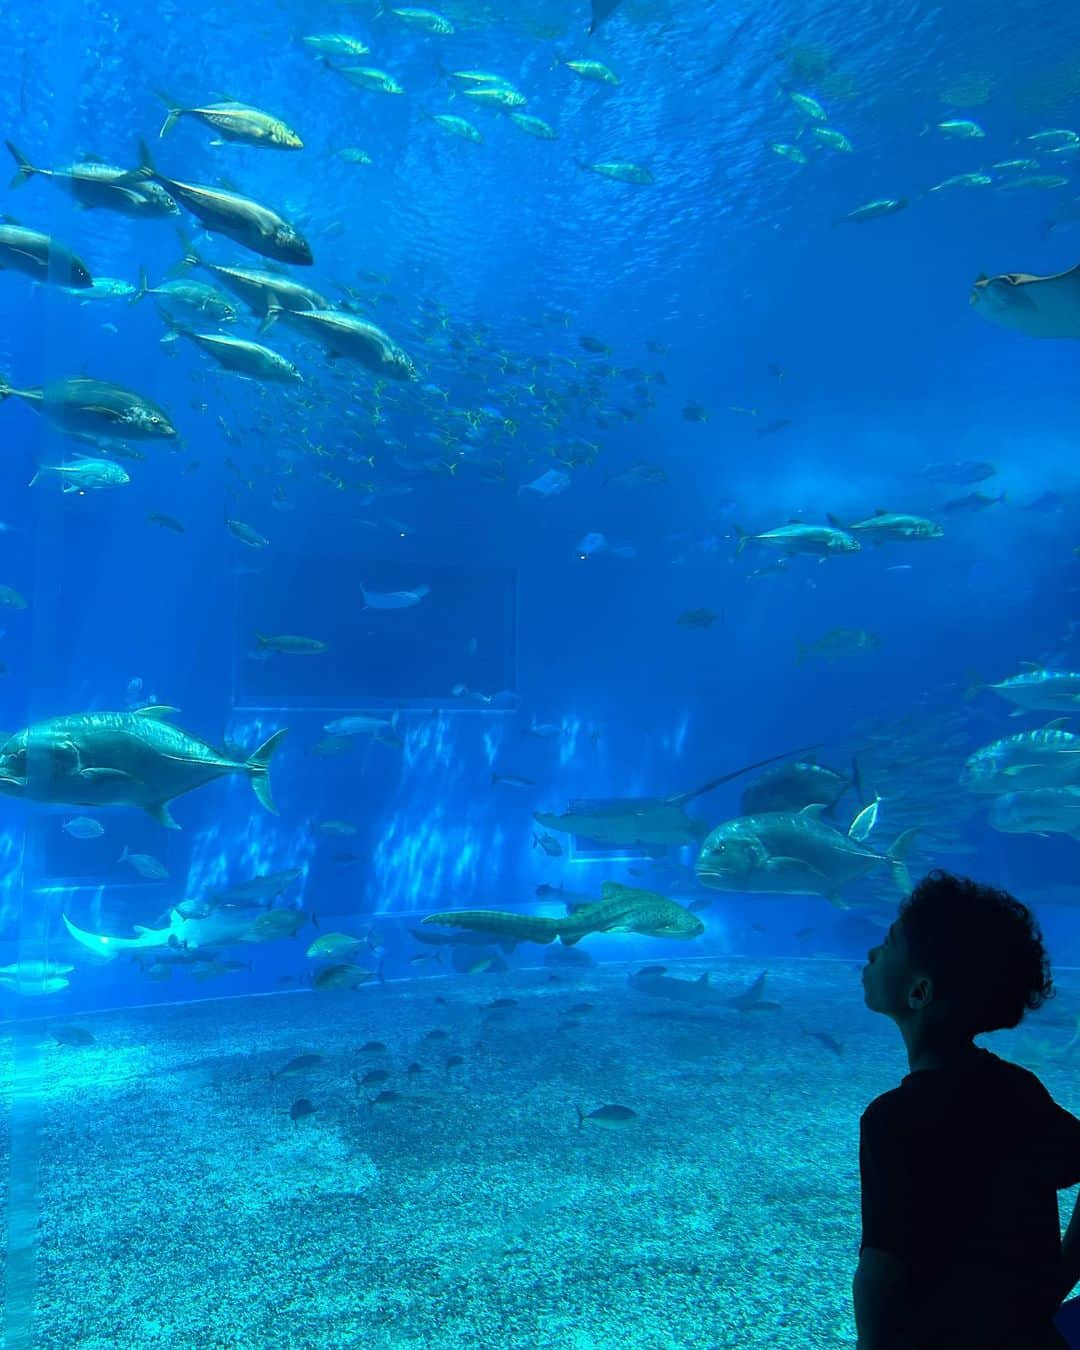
{"x": 961, "y": 1164}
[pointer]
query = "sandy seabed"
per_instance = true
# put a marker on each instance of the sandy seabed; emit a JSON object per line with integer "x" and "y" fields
{"x": 177, "y": 1204}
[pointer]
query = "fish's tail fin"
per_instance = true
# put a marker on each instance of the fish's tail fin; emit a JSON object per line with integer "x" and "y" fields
{"x": 258, "y": 767}
{"x": 802, "y": 650}
{"x": 897, "y": 856}
{"x": 125, "y": 855}
{"x": 580, "y": 1116}
{"x": 143, "y": 288}
{"x": 743, "y": 539}
{"x": 273, "y": 313}
{"x": 174, "y": 112}
{"x": 24, "y": 170}
{"x": 146, "y": 167}
{"x": 37, "y": 475}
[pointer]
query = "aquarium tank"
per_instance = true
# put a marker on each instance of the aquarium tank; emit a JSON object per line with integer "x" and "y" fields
{"x": 527, "y": 528}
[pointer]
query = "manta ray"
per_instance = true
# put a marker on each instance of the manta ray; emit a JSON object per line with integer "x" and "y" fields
{"x": 1046, "y": 307}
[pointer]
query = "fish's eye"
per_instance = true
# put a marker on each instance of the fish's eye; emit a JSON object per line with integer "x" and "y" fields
{"x": 719, "y": 848}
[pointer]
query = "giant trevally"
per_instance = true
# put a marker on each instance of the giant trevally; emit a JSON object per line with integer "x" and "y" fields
{"x": 122, "y": 759}
{"x": 1046, "y": 307}
{"x": 41, "y": 257}
{"x": 793, "y": 853}
{"x": 645, "y": 822}
{"x": 82, "y": 406}
{"x": 96, "y": 184}
{"x": 250, "y": 223}
{"x": 623, "y": 909}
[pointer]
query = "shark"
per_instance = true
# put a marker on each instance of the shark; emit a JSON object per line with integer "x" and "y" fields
{"x": 645, "y": 822}
{"x": 621, "y": 909}
{"x": 700, "y": 993}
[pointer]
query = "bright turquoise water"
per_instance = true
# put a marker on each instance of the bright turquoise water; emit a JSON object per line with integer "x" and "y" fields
{"x": 697, "y": 354}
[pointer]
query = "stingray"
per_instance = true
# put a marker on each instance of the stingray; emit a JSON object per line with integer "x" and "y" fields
{"x": 1047, "y": 307}
{"x": 645, "y": 822}
{"x": 601, "y": 10}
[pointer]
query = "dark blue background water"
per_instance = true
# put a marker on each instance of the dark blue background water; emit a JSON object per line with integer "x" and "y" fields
{"x": 730, "y": 260}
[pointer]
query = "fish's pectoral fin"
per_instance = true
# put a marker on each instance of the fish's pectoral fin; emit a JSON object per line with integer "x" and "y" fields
{"x": 160, "y": 712}
{"x": 161, "y": 813}
{"x": 105, "y": 775}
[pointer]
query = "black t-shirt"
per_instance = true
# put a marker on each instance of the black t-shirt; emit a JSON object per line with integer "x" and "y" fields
{"x": 960, "y": 1171}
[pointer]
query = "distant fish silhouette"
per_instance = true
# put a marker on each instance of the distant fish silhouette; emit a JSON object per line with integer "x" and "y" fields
{"x": 601, "y": 10}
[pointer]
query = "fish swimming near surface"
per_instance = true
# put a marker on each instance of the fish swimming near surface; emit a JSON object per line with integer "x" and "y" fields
{"x": 122, "y": 759}
{"x": 623, "y": 909}
{"x": 646, "y": 822}
{"x": 795, "y": 853}
{"x": 1045, "y": 307}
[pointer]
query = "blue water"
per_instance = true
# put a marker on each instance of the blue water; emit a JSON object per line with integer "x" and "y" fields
{"x": 831, "y": 362}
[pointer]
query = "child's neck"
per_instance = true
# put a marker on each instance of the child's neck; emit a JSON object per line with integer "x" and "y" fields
{"x": 925, "y": 1052}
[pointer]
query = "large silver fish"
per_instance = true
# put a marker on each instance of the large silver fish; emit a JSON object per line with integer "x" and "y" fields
{"x": 95, "y": 184}
{"x": 122, "y": 759}
{"x": 255, "y": 226}
{"x": 346, "y": 335}
{"x": 41, "y": 257}
{"x": 793, "y": 853}
{"x": 85, "y": 407}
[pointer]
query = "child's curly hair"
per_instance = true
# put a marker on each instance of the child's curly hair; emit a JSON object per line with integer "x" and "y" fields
{"x": 983, "y": 949}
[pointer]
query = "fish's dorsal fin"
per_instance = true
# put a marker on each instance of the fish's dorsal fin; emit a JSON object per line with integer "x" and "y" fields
{"x": 610, "y": 889}
{"x": 834, "y": 521}
{"x": 814, "y": 809}
{"x": 880, "y": 511}
{"x": 703, "y": 978}
{"x": 159, "y": 712}
{"x": 1056, "y": 724}
{"x": 1029, "y": 665}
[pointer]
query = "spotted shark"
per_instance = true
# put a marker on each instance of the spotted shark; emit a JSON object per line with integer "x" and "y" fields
{"x": 622, "y": 909}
